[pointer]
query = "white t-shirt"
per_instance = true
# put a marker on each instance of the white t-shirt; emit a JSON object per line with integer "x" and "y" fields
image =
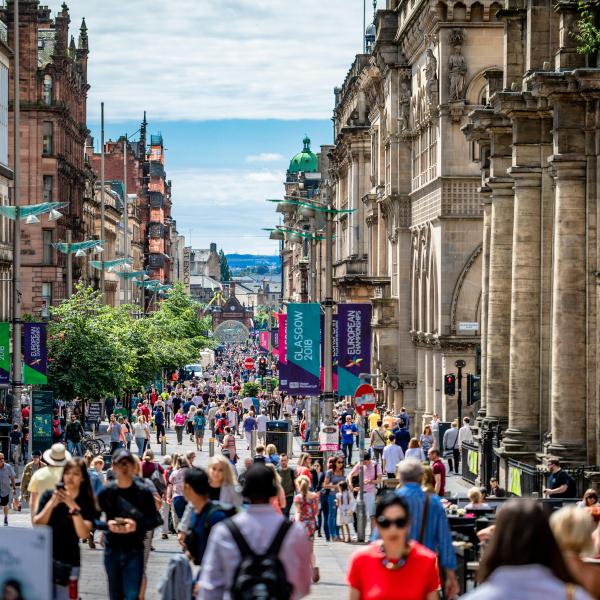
{"x": 392, "y": 455}
{"x": 247, "y": 403}
{"x": 261, "y": 423}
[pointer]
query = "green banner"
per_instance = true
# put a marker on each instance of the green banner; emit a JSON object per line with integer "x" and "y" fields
{"x": 514, "y": 481}
{"x": 41, "y": 419}
{"x": 4, "y": 352}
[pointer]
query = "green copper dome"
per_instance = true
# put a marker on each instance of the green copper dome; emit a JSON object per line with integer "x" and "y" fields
{"x": 305, "y": 161}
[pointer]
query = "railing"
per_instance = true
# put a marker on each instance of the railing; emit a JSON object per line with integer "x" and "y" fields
{"x": 470, "y": 462}
{"x": 523, "y": 479}
{"x": 578, "y": 474}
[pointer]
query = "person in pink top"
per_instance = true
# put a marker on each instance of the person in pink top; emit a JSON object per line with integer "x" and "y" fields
{"x": 179, "y": 425}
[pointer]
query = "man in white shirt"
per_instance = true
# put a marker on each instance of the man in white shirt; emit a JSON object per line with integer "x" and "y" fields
{"x": 258, "y": 526}
{"x": 247, "y": 403}
{"x": 392, "y": 455}
{"x": 464, "y": 433}
{"x": 261, "y": 427}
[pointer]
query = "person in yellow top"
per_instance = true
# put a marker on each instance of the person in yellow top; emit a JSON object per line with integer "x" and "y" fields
{"x": 46, "y": 478}
{"x": 373, "y": 418}
{"x": 389, "y": 419}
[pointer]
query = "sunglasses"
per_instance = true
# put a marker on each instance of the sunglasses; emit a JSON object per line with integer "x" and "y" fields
{"x": 400, "y": 522}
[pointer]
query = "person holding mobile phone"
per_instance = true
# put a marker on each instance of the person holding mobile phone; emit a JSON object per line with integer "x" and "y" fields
{"x": 70, "y": 510}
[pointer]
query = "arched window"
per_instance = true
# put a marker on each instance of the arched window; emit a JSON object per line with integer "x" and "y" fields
{"x": 47, "y": 91}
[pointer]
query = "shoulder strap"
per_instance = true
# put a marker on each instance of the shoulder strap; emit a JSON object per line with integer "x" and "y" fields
{"x": 273, "y": 549}
{"x": 236, "y": 534}
{"x": 570, "y": 590}
{"x": 424, "y": 518}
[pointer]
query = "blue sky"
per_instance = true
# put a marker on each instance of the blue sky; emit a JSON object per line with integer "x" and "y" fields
{"x": 233, "y": 86}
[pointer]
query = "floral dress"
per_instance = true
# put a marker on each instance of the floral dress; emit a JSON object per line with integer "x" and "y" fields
{"x": 307, "y": 510}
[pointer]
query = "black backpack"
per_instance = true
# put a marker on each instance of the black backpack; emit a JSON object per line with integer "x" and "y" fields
{"x": 260, "y": 577}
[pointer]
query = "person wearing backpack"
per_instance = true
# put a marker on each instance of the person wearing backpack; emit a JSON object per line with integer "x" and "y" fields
{"x": 258, "y": 553}
{"x": 206, "y": 513}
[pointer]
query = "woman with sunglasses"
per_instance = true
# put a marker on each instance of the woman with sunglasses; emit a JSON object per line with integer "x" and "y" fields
{"x": 332, "y": 478}
{"x": 393, "y": 566}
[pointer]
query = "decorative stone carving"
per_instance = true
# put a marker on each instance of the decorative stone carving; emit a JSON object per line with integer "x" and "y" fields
{"x": 457, "y": 67}
{"x": 431, "y": 83}
{"x": 404, "y": 95}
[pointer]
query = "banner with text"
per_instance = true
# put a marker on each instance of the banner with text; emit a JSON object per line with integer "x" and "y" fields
{"x": 354, "y": 331}
{"x": 334, "y": 349}
{"x": 264, "y": 339}
{"x": 4, "y": 353}
{"x": 41, "y": 419}
{"x": 34, "y": 354}
{"x": 303, "y": 340}
{"x": 282, "y": 362}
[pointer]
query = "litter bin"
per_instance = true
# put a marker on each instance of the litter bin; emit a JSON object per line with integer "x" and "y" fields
{"x": 277, "y": 434}
{"x": 443, "y": 427}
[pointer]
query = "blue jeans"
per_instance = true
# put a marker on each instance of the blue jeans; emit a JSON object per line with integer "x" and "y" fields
{"x": 324, "y": 515}
{"x": 179, "y": 503}
{"x": 347, "y": 450}
{"x": 332, "y": 515}
{"x": 72, "y": 446}
{"x": 124, "y": 570}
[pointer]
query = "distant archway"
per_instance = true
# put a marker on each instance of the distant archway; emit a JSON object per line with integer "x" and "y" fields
{"x": 231, "y": 332}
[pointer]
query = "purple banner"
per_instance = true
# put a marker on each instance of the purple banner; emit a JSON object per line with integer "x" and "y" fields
{"x": 34, "y": 354}
{"x": 282, "y": 365}
{"x": 354, "y": 325}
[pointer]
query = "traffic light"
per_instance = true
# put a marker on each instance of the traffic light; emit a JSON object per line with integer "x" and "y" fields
{"x": 450, "y": 384}
{"x": 473, "y": 389}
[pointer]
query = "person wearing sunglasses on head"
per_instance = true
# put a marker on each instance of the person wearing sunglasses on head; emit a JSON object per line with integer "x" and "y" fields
{"x": 393, "y": 566}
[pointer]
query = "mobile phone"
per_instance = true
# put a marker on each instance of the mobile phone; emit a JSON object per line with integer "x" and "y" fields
{"x": 60, "y": 485}
{"x": 120, "y": 521}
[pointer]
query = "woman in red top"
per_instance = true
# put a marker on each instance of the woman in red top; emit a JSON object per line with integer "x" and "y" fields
{"x": 303, "y": 468}
{"x": 393, "y": 566}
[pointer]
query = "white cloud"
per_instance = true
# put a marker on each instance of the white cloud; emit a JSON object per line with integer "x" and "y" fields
{"x": 264, "y": 157}
{"x": 209, "y": 59}
{"x": 227, "y": 206}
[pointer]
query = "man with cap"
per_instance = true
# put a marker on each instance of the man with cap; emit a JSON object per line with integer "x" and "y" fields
{"x": 47, "y": 477}
{"x": 258, "y": 525}
{"x": 30, "y": 469}
{"x": 130, "y": 512}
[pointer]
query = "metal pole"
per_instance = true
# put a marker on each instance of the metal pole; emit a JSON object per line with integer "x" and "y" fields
{"x": 328, "y": 321}
{"x": 126, "y": 219}
{"x": 16, "y": 273}
{"x": 459, "y": 364}
{"x": 69, "y": 264}
{"x": 361, "y": 514}
{"x": 102, "y": 234}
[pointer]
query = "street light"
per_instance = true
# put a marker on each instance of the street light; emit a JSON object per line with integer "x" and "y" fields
{"x": 78, "y": 249}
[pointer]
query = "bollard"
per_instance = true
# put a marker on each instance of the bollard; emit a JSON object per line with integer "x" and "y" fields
{"x": 211, "y": 447}
{"x": 252, "y": 442}
{"x": 290, "y": 444}
{"x": 163, "y": 444}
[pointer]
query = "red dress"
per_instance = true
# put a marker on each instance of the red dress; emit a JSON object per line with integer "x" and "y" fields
{"x": 307, "y": 509}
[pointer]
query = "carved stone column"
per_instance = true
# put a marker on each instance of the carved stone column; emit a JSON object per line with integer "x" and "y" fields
{"x": 523, "y": 432}
{"x": 437, "y": 381}
{"x": 420, "y": 408}
{"x": 485, "y": 281}
{"x": 501, "y": 238}
{"x": 429, "y": 385}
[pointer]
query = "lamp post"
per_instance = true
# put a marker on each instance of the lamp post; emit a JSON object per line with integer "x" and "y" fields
{"x": 16, "y": 271}
{"x": 78, "y": 249}
{"x": 102, "y": 218}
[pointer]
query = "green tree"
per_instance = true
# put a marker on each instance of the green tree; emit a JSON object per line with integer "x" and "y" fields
{"x": 588, "y": 26}
{"x": 86, "y": 358}
{"x": 225, "y": 270}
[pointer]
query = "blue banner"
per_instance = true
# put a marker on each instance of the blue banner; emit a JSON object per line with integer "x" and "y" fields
{"x": 354, "y": 331}
{"x": 303, "y": 352}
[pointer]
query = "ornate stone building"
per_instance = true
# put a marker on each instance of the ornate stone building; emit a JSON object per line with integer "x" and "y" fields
{"x": 53, "y": 94}
{"x": 413, "y": 245}
{"x": 538, "y": 142}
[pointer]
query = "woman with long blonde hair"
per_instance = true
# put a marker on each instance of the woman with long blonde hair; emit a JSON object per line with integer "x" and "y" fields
{"x": 307, "y": 509}
{"x": 223, "y": 481}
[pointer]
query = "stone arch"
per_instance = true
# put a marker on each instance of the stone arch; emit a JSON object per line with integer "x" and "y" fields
{"x": 231, "y": 332}
{"x": 459, "y": 11}
{"x": 494, "y": 8}
{"x": 442, "y": 11}
{"x": 476, "y": 12}
{"x": 467, "y": 292}
{"x": 475, "y": 87}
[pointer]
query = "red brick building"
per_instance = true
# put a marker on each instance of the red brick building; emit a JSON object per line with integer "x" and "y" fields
{"x": 53, "y": 90}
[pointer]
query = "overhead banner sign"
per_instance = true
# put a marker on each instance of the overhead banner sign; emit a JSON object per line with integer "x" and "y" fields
{"x": 264, "y": 339}
{"x": 303, "y": 353}
{"x": 334, "y": 351}
{"x": 34, "y": 354}
{"x": 282, "y": 362}
{"x": 354, "y": 331}
{"x": 4, "y": 353}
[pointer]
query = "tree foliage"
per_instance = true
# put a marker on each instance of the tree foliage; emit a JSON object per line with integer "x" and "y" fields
{"x": 588, "y": 34}
{"x": 225, "y": 270}
{"x": 97, "y": 351}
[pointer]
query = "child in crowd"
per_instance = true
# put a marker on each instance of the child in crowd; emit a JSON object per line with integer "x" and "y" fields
{"x": 346, "y": 505}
